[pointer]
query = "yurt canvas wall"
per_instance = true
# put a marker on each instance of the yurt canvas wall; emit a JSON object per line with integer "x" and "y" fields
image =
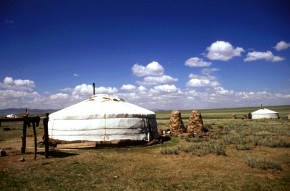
{"x": 265, "y": 114}
{"x": 102, "y": 118}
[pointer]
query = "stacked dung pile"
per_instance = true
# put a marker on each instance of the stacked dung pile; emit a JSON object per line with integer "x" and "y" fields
{"x": 233, "y": 116}
{"x": 176, "y": 124}
{"x": 195, "y": 123}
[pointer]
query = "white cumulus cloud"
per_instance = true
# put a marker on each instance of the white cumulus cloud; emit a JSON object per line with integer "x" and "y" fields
{"x": 18, "y": 84}
{"x": 128, "y": 87}
{"x": 221, "y": 90}
{"x": 282, "y": 45}
{"x": 202, "y": 81}
{"x": 19, "y": 98}
{"x": 221, "y": 50}
{"x": 208, "y": 71}
{"x": 106, "y": 90}
{"x": 152, "y": 69}
{"x": 268, "y": 56}
{"x": 59, "y": 96}
{"x": 83, "y": 89}
{"x": 155, "y": 80}
{"x": 87, "y": 90}
{"x": 164, "y": 89}
{"x": 198, "y": 82}
{"x": 197, "y": 62}
{"x": 142, "y": 88}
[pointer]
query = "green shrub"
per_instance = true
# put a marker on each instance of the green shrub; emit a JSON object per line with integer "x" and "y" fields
{"x": 206, "y": 148}
{"x": 189, "y": 148}
{"x": 244, "y": 147}
{"x": 201, "y": 152}
{"x": 239, "y": 139}
{"x": 262, "y": 164}
{"x": 274, "y": 142}
{"x": 218, "y": 149}
{"x": 231, "y": 139}
{"x": 169, "y": 151}
{"x": 195, "y": 139}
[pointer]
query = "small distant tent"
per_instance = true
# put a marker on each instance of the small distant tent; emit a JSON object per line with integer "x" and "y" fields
{"x": 265, "y": 114}
{"x": 10, "y": 116}
{"x": 103, "y": 118}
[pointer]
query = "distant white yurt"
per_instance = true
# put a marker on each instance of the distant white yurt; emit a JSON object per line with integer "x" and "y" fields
{"x": 103, "y": 118}
{"x": 265, "y": 114}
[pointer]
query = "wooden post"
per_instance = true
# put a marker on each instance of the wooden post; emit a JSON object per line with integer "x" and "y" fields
{"x": 35, "y": 139}
{"x": 45, "y": 125}
{"x": 23, "y": 148}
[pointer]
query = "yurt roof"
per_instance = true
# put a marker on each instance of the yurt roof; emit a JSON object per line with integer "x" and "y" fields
{"x": 264, "y": 111}
{"x": 102, "y": 106}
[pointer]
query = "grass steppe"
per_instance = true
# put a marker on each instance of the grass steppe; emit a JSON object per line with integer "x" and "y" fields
{"x": 235, "y": 155}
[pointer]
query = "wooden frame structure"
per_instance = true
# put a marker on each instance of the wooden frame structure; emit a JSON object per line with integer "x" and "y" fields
{"x": 27, "y": 121}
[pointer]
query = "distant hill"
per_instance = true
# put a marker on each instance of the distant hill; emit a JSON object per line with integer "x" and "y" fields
{"x": 19, "y": 111}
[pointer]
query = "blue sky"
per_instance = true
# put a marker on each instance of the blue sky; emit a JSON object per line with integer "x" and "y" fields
{"x": 158, "y": 54}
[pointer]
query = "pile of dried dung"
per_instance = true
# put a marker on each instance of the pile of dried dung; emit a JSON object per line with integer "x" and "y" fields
{"x": 195, "y": 123}
{"x": 176, "y": 124}
{"x": 233, "y": 116}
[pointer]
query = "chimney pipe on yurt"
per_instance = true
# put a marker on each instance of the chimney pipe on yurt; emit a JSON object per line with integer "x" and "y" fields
{"x": 94, "y": 89}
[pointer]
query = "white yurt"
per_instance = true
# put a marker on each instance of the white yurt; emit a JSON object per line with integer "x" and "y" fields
{"x": 265, "y": 114}
{"x": 103, "y": 118}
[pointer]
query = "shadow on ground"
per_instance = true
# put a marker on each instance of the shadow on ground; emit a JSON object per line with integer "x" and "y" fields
{"x": 59, "y": 154}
